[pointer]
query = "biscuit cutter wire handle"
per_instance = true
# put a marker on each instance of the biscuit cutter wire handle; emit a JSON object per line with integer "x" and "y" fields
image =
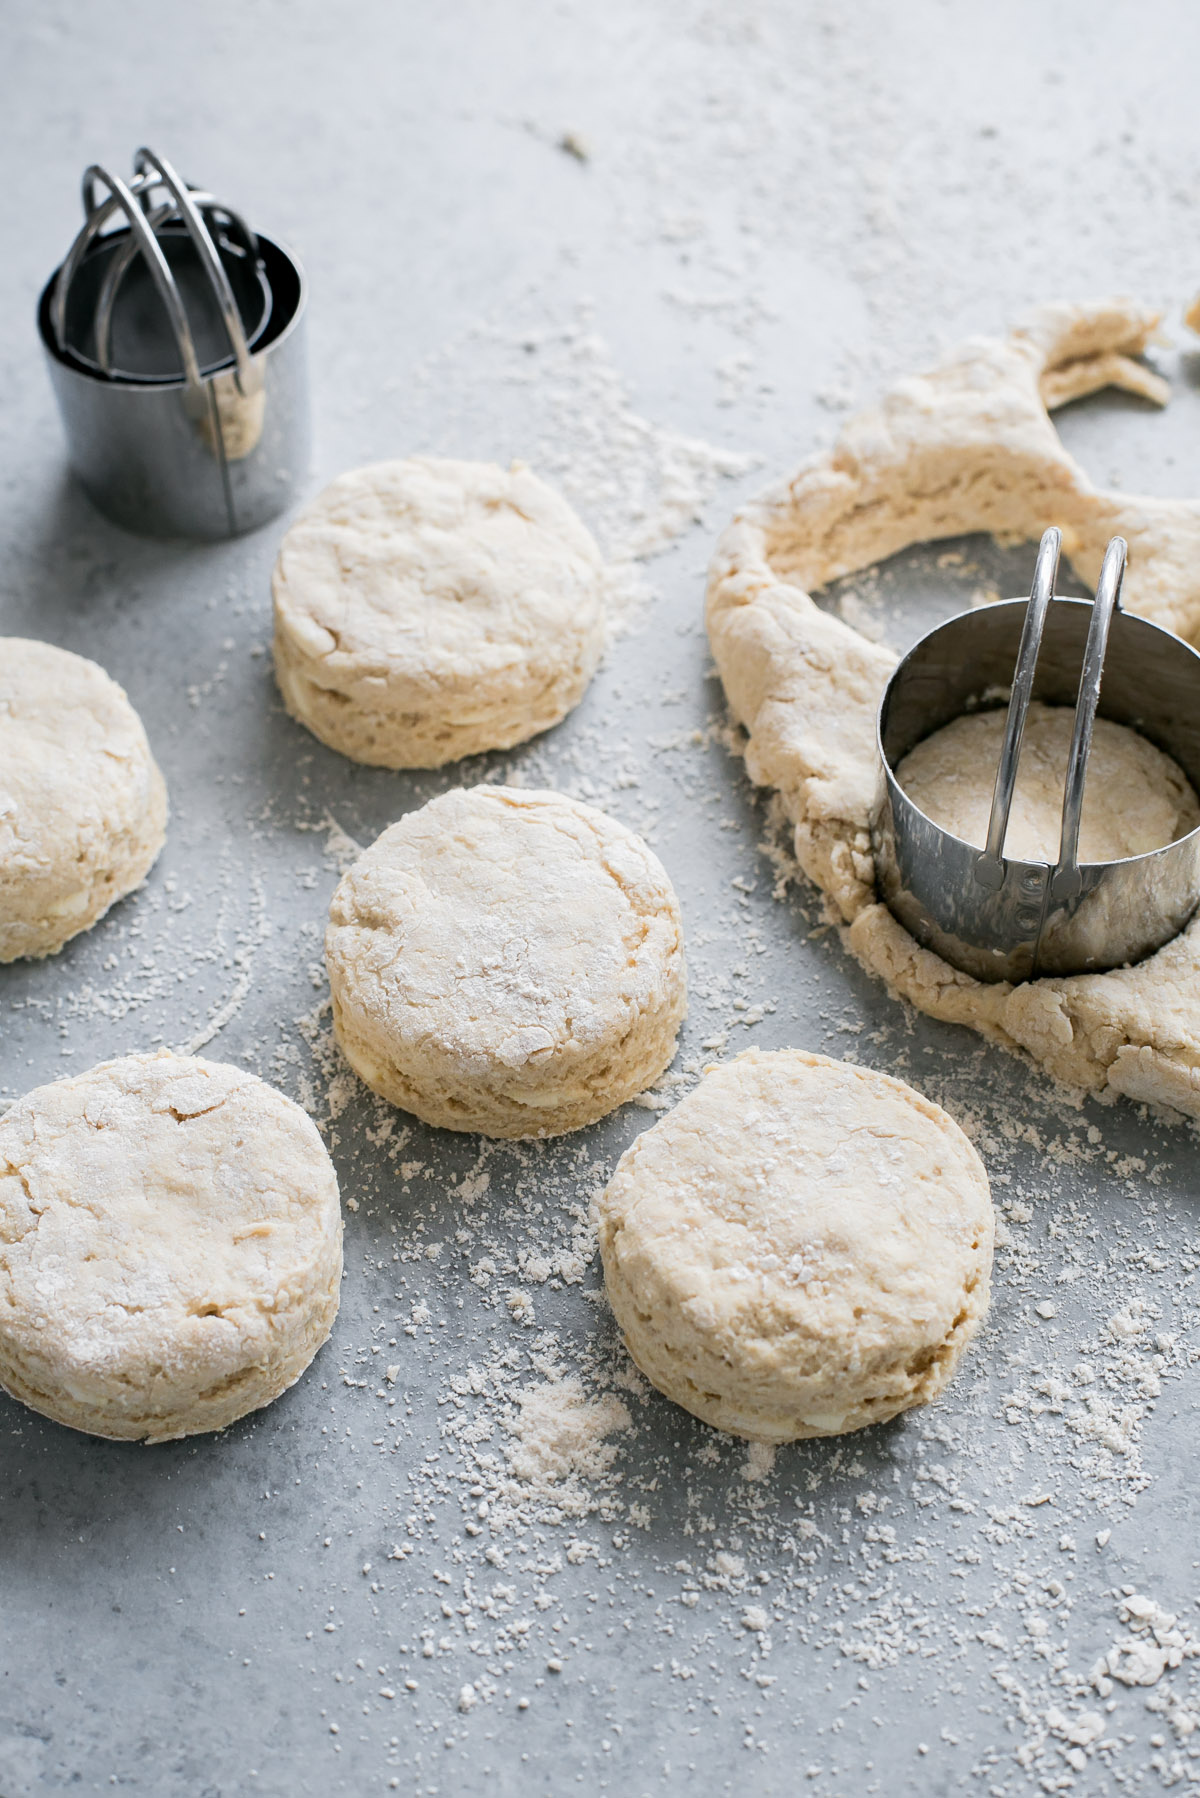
{"x": 174, "y": 339}
{"x": 147, "y": 163}
{"x": 1067, "y": 880}
{"x": 153, "y": 171}
{"x": 990, "y": 869}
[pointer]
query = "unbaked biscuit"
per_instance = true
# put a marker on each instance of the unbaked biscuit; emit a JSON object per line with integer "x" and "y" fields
{"x": 170, "y": 1247}
{"x": 799, "y": 1248}
{"x": 507, "y": 961}
{"x": 426, "y": 610}
{"x": 83, "y": 807}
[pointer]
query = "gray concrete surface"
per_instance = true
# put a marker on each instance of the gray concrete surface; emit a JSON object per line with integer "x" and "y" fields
{"x": 782, "y": 206}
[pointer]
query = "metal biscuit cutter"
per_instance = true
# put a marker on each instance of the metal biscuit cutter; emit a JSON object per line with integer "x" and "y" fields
{"x": 995, "y": 917}
{"x": 174, "y": 336}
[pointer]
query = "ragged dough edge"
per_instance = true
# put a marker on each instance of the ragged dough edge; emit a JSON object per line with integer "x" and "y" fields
{"x": 967, "y": 447}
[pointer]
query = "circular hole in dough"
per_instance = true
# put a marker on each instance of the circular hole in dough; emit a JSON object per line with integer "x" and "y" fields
{"x": 427, "y": 610}
{"x": 1136, "y": 798}
{"x": 83, "y": 807}
{"x": 507, "y": 961}
{"x": 799, "y": 1248}
{"x": 170, "y": 1247}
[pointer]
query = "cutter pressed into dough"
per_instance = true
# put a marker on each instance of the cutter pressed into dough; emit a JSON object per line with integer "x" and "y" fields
{"x": 993, "y": 914}
{"x": 968, "y": 446}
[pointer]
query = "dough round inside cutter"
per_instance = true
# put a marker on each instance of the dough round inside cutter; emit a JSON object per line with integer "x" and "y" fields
{"x": 1136, "y": 799}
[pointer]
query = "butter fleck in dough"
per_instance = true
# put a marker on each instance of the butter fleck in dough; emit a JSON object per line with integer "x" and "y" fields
{"x": 799, "y": 1248}
{"x": 507, "y": 961}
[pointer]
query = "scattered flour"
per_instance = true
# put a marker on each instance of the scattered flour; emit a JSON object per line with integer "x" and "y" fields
{"x": 638, "y": 485}
{"x": 511, "y": 1497}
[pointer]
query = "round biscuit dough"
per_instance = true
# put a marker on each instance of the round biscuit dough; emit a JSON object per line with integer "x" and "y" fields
{"x": 507, "y": 961}
{"x": 1136, "y": 798}
{"x": 427, "y": 609}
{"x": 170, "y": 1247}
{"x": 83, "y": 807}
{"x": 799, "y": 1248}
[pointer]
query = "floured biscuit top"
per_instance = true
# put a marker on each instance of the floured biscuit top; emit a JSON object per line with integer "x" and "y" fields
{"x": 799, "y": 1248}
{"x": 423, "y": 565}
{"x": 170, "y": 1246}
{"x": 429, "y": 609}
{"x": 1136, "y": 799}
{"x": 82, "y": 804}
{"x": 508, "y": 960}
{"x": 506, "y": 924}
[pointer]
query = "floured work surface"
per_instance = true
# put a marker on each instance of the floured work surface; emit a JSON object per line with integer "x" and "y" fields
{"x": 941, "y": 1574}
{"x": 474, "y": 1437}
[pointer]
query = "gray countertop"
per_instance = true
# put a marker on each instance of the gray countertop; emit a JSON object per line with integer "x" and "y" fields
{"x": 376, "y": 1584}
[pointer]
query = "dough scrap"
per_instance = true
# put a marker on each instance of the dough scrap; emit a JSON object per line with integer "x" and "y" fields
{"x": 1136, "y": 798}
{"x": 967, "y": 447}
{"x": 427, "y": 610}
{"x": 83, "y": 807}
{"x": 507, "y": 961}
{"x": 799, "y": 1248}
{"x": 170, "y": 1247}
